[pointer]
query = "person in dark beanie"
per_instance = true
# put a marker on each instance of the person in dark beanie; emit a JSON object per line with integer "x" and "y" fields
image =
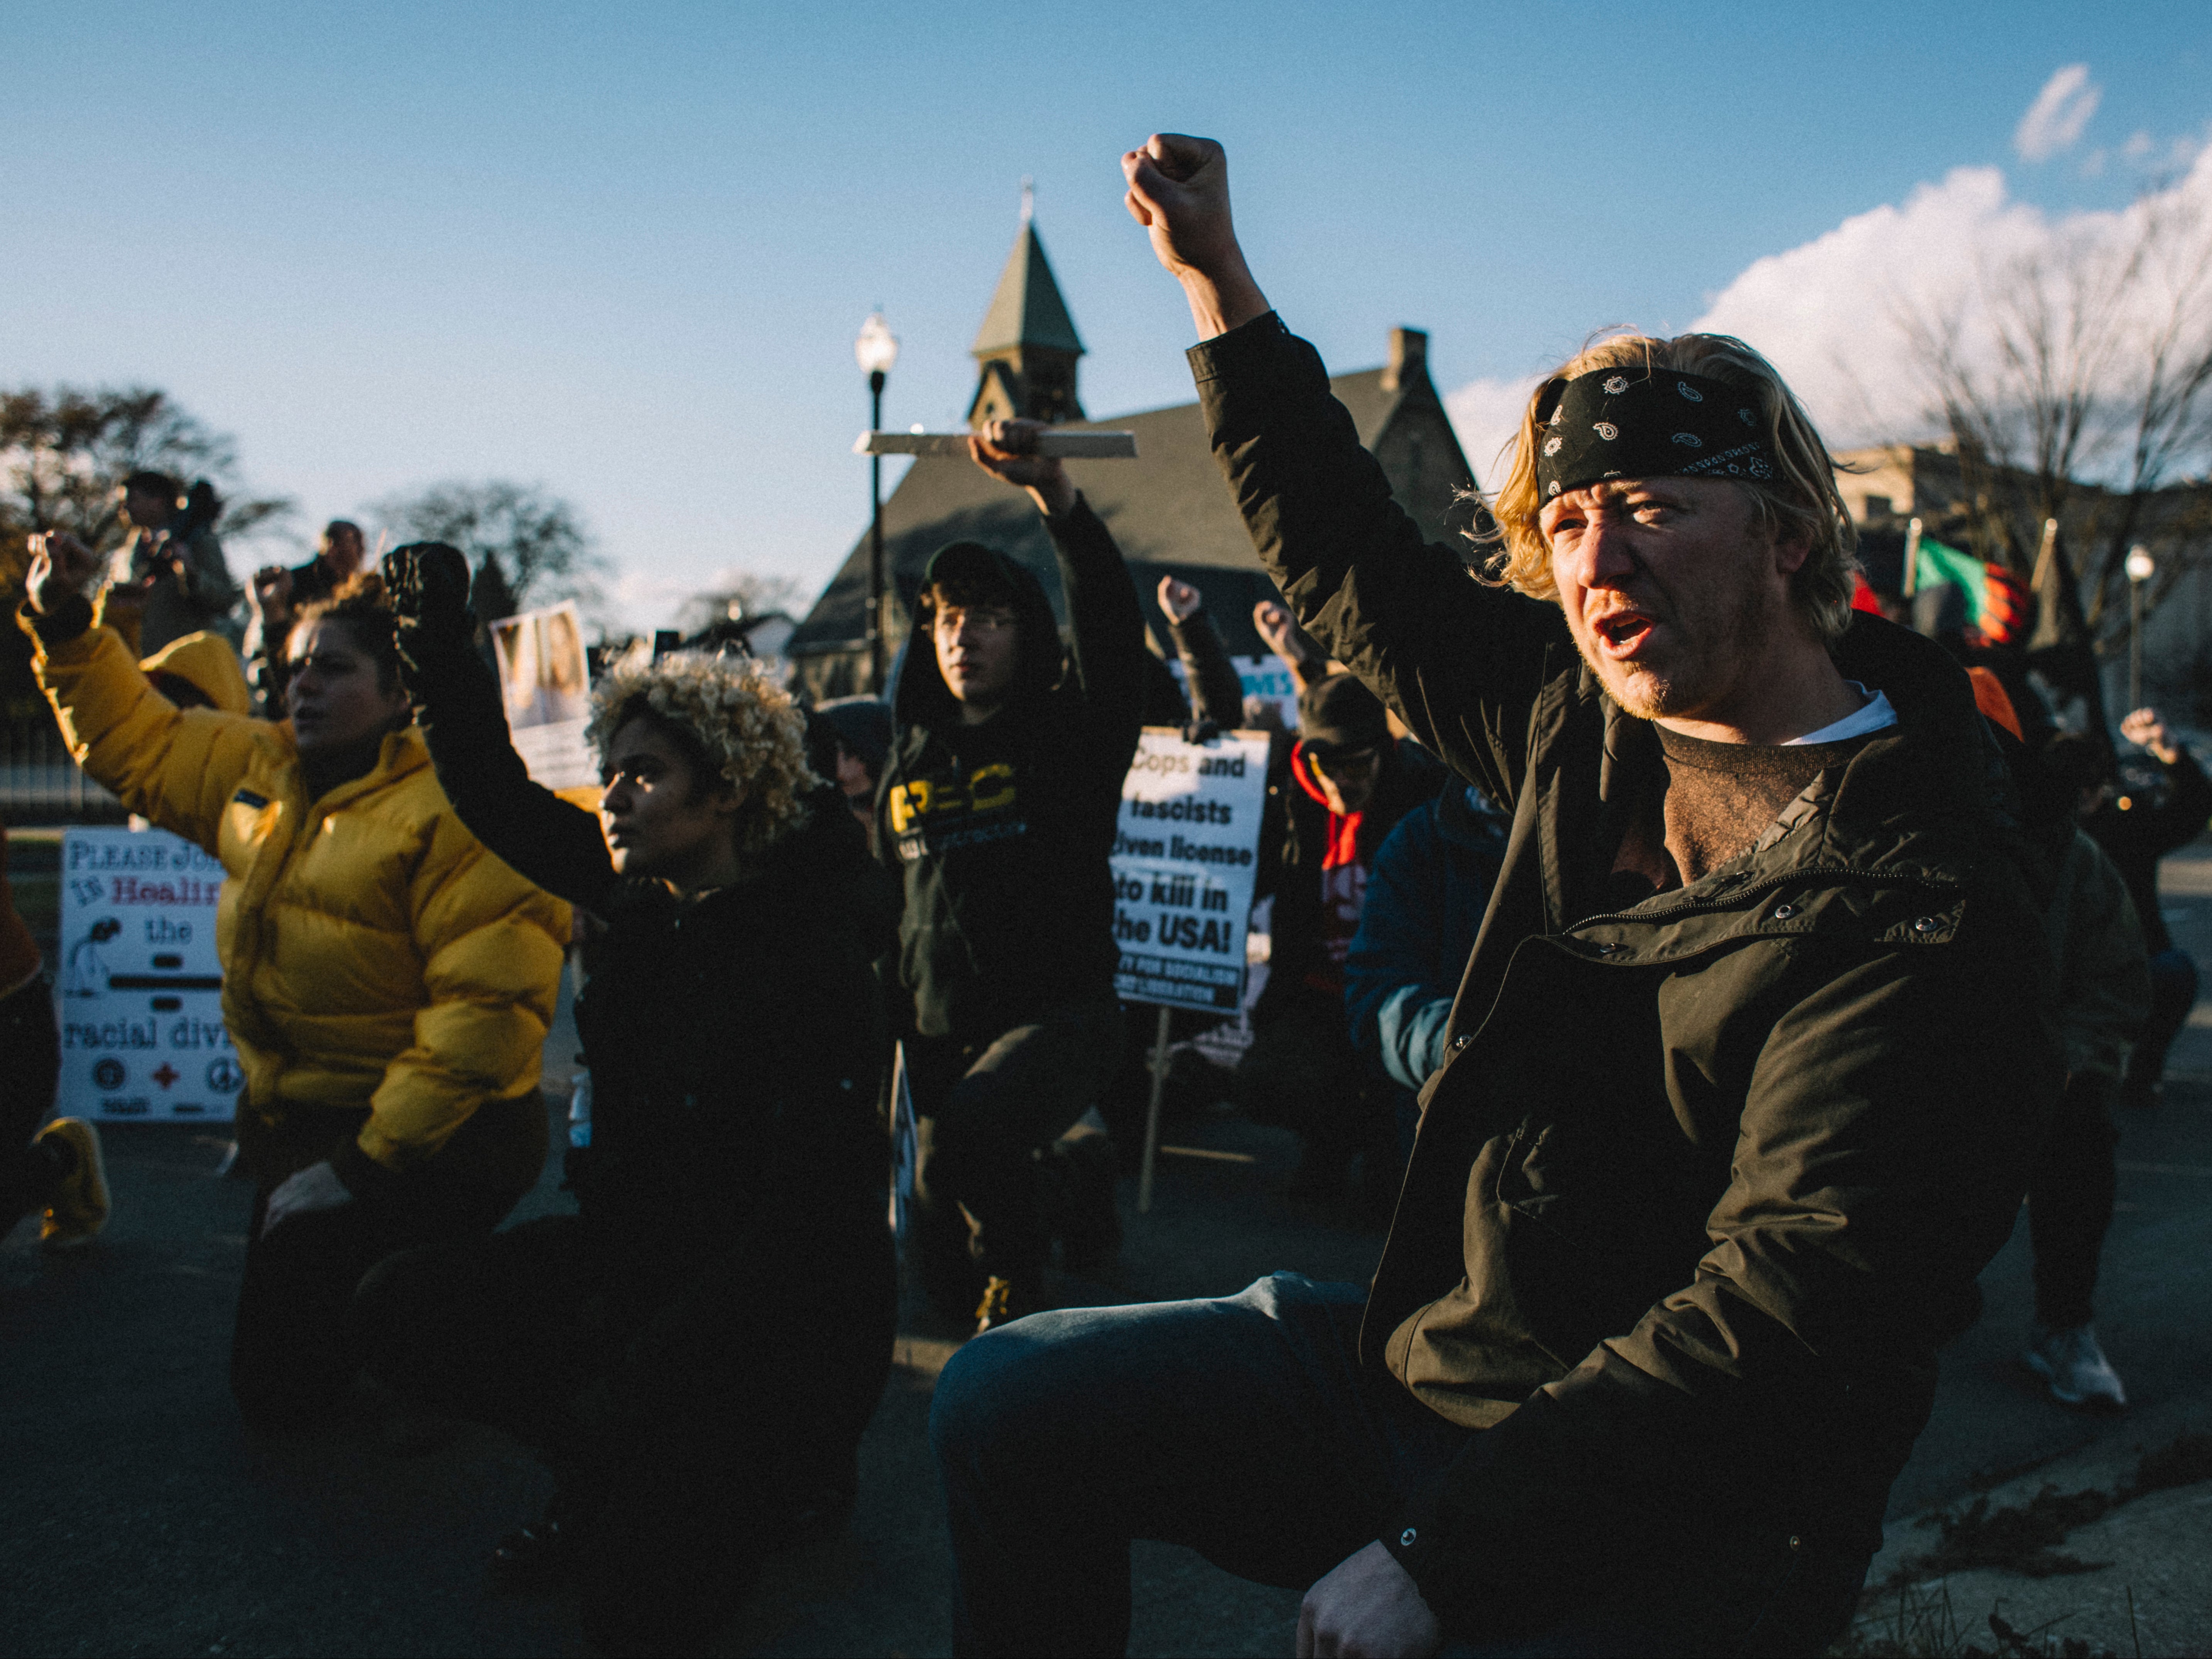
{"x": 999, "y": 807}
{"x": 1337, "y": 792}
{"x": 847, "y": 741}
{"x": 1426, "y": 898}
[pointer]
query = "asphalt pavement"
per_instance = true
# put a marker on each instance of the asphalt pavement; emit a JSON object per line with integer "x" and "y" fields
{"x": 143, "y": 1519}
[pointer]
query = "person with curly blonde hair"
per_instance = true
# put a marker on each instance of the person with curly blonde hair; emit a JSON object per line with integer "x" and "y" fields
{"x": 1739, "y": 1093}
{"x": 696, "y": 1350}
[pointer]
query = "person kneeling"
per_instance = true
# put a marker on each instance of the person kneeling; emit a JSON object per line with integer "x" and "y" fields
{"x": 388, "y": 985}
{"x": 695, "y": 1351}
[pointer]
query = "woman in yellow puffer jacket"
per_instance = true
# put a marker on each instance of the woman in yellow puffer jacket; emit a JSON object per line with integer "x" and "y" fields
{"x": 388, "y": 983}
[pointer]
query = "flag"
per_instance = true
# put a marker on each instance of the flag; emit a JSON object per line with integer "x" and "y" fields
{"x": 1998, "y": 606}
{"x": 2060, "y": 649}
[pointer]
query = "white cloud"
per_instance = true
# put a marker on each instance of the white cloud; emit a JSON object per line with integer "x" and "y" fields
{"x": 1830, "y": 313}
{"x": 1486, "y": 415}
{"x": 2054, "y": 121}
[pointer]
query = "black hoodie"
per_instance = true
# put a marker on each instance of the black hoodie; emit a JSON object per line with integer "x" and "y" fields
{"x": 1003, "y": 830}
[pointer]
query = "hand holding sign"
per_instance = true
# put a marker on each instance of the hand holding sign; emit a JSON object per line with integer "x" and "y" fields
{"x": 1008, "y": 450}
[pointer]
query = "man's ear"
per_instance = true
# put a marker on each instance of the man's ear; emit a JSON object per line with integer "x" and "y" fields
{"x": 727, "y": 800}
{"x": 1792, "y": 545}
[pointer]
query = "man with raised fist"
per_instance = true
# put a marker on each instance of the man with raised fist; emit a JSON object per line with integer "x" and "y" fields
{"x": 1741, "y": 1087}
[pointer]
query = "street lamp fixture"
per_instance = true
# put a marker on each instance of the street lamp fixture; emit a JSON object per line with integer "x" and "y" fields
{"x": 2141, "y": 568}
{"x": 876, "y": 350}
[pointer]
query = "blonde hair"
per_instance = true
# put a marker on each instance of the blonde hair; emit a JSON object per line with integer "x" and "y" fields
{"x": 742, "y": 723}
{"x": 1803, "y": 495}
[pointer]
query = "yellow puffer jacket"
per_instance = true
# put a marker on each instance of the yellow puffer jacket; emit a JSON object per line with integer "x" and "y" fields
{"x": 374, "y": 955}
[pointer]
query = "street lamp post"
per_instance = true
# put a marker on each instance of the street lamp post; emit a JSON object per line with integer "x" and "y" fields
{"x": 2140, "y": 567}
{"x": 876, "y": 350}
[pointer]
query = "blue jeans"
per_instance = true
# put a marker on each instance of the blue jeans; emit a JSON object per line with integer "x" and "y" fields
{"x": 1243, "y": 1427}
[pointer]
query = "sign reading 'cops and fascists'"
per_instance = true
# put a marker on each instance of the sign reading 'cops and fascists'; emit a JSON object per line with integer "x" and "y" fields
{"x": 1185, "y": 858}
{"x": 138, "y": 991}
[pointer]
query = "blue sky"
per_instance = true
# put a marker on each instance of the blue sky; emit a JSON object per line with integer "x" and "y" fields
{"x": 623, "y": 250}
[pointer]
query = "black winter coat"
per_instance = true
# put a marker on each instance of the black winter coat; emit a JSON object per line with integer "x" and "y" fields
{"x": 735, "y": 1039}
{"x": 1703, "y": 1184}
{"x": 1003, "y": 830}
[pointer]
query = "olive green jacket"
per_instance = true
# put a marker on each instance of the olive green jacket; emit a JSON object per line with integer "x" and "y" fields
{"x": 1702, "y": 1185}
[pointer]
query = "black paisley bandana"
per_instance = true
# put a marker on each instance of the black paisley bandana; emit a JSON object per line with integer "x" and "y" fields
{"x": 1647, "y": 423}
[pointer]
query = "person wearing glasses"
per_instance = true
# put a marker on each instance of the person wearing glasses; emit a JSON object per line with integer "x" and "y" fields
{"x": 999, "y": 807}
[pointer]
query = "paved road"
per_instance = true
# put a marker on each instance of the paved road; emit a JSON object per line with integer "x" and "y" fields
{"x": 141, "y": 1520}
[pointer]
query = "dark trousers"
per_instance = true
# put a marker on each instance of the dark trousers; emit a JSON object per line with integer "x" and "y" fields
{"x": 30, "y": 1063}
{"x": 2173, "y": 995}
{"x": 1246, "y": 1429}
{"x": 2069, "y": 1202}
{"x": 984, "y": 1110}
{"x": 296, "y": 1346}
{"x": 1303, "y": 1073}
{"x": 689, "y": 1398}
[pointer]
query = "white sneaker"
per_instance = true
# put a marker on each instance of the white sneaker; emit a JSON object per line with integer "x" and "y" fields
{"x": 2075, "y": 1369}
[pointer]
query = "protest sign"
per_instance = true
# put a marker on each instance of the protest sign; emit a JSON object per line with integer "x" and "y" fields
{"x": 1185, "y": 858}
{"x": 1263, "y": 678}
{"x": 547, "y": 685}
{"x": 139, "y": 994}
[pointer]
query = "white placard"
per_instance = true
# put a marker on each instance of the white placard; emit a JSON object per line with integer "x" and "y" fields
{"x": 1186, "y": 856}
{"x": 546, "y": 681}
{"x": 138, "y": 991}
{"x": 1063, "y": 446}
{"x": 1264, "y": 677}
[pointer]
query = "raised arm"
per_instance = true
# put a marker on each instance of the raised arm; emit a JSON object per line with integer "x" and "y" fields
{"x": 1461, "y": 663}
{"x": 1109, "y": 628}
{"x": 175, "y": 767}
{"x": 457, "y": 704}
{"x": 1217, "y": 693}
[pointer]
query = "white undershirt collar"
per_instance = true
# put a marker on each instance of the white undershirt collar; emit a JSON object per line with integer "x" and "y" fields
{"x": 1876, "y": 716}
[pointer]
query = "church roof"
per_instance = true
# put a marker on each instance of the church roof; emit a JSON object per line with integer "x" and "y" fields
{"x": 1027, "y": 310}
{"x": 1169, "y": 510}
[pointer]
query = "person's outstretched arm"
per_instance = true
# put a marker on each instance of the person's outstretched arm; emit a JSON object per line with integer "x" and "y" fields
{"x": 176, "y": 767}
{"x": 1109, "y": 628}
{"x": 1217, "y": 693}
{"x": 457, "y": 705}
{"x": 2188, "y": 803}
{"x": 1461, "y": 663}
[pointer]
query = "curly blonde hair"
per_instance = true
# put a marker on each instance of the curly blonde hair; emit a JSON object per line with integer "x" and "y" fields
{"x": 1803, "y": 496}
{"x": 744, "y": 725}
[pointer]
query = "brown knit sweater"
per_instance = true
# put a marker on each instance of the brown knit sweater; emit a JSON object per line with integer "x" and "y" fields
{"x": 1719, "y": 799}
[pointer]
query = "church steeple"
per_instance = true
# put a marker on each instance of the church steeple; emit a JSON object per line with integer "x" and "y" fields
{"x": 1027, "y": 348}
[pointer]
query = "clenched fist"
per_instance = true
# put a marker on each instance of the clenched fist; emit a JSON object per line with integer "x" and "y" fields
{"x": 1180, "y": 599}
{"x": 426, "y": 581}
{"x": 1178, "y": 191}
{"x": 62, "y": 569}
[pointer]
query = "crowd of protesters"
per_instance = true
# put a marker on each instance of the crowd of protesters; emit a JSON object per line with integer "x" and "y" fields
{"x": 1694, "y": 965}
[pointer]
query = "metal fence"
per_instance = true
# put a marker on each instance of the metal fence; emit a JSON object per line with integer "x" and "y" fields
{"x": 40, "y": 784}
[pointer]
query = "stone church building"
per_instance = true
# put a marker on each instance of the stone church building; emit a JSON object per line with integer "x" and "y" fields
{"x": 1168, "y": 508}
